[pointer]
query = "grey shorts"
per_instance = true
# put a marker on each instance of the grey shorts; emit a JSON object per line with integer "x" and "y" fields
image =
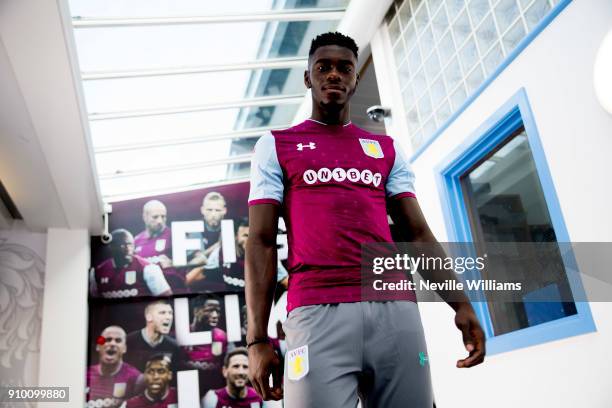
{"x": 374, "y": 350}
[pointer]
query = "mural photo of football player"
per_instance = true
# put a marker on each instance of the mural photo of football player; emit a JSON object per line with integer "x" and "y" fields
{"x": 126, "y": 274}
{"x": 112, "y": 380}
{"x": 154, "y": 315}
{"x": 157, "y": 392}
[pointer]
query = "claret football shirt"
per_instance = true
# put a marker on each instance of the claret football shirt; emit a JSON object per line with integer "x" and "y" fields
{"x": 332, "y": 182}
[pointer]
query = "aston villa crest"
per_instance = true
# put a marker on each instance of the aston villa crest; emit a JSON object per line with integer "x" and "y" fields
{"x": 371, "y": 148}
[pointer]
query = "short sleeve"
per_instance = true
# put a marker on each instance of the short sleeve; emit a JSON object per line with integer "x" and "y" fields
{"x": 154, "y": 277}
{"x": 266, "y": 173}
{"x": 210, "y": 400}
{"x": 400, "y": 182}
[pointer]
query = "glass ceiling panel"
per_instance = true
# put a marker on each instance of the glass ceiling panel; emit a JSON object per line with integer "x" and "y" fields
{"x": 110, "y": 95}
{"x": 239, "y": 63}
{"x": 174, "y": 8}
{"x": 148, "y": 184}
{"x": 147, "y": 47}
{"x": 147, "y": 158}
{"x": 129, "y": 131}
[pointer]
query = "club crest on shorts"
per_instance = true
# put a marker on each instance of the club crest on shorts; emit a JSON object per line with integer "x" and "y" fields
{"x": 130, "y": 277}
{"x": 372, "y": 148}
{"x": 160, "y": 245}
{"x": 297, "y": 363}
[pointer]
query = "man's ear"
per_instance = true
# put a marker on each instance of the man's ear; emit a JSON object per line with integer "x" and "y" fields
{"x": 307, "y": 79}
{"x": 357, "y": 80}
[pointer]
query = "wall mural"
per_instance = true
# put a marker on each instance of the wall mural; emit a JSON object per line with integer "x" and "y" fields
{"x": 167, "y": 316}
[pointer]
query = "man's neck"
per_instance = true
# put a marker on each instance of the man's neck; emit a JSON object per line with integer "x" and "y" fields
{"x": 152, "y": 336}
{"x": 331, "y": 116}
{"x": 108, "y": 370}
{"x": 236, "y": 392}
{"x": 159, "y": 397}
{"x": 212, "y": 229}
{"x": 155, "y": 234}
{"x": 120, "y": 263}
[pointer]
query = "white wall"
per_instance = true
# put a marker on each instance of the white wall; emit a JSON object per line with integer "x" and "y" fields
{"x": 63, "y": 349}
{"x": 576, "y": 134}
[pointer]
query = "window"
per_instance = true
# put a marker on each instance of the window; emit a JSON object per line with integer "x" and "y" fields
{"x": 447, "y": 49}
{"x": 496, "y": 187}
{"x": 505, "y": 203}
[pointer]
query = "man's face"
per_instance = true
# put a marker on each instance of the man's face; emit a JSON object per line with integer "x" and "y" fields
{"x": 155, "y": 219}
{"x": 237, "y": 370}
{"x": 157, "y": 378}
{"x": 213, "y": 212}
{"x": 113, "y": 349}
{"x": 242, "y": 236}
{"x": 160, "y": 316}
{"x": 122, "y": 248}
{"x": 211, "y": 315}
{"x": 331, "y": 75}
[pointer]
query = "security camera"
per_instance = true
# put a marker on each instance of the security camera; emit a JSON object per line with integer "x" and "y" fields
{"x": 378, "y": 113}
{"x": 106, "y": 238}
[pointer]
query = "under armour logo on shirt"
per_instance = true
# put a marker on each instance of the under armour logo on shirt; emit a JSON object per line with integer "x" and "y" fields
{"x": 310, "y": 145}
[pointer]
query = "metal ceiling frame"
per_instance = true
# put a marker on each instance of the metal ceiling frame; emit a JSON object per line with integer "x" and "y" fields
{"x": 306, "y": 14}
{"x": 242, "y": 103}
{"x": 273, "y": 63}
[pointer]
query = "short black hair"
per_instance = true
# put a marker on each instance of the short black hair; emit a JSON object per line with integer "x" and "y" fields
{"x": 204, "y": 301}
{"x": 237, "y": 351}
{"x": 240, "y": 222}
{"x": 334, "y": 38}
{"x": 119, "y": 233}
{"x": 164, "y": 358}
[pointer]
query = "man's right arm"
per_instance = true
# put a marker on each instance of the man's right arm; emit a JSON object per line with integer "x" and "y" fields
{"x": 261, "y": 276}
{"x": 265, "y": 200}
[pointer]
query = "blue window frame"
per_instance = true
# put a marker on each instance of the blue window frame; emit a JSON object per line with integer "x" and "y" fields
{"x": 513, "y": 115}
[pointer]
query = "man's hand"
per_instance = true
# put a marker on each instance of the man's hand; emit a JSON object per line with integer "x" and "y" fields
{"x": 198, "y": 259}
{"x": 164, "y": 261}
{"x": 473, "y": 336}
{"x": 264, "y": 361}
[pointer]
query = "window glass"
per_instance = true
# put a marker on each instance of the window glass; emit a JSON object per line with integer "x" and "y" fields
{"x": 505, "y": 203}
{"x": 466, "y": 40}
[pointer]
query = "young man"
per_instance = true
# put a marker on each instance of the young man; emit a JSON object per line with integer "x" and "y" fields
{"x": 213, "y": 210}
{"x": 153, "y": 339}
{"x": 333, "y": 181}
{"x": 207, "y": 358}
{"x": 111, "y": 381}
{"x": 236, "y": 393}
{"x": 128, "y": 275}
{"x": 154, "y": 243}
{"x": 157, "y": 379}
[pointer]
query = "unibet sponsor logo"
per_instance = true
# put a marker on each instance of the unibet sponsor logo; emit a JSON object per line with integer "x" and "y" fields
{"x": 325, "y": 175}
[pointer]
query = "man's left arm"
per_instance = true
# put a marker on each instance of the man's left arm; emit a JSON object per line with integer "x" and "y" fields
{"x": 407, "y": 215}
